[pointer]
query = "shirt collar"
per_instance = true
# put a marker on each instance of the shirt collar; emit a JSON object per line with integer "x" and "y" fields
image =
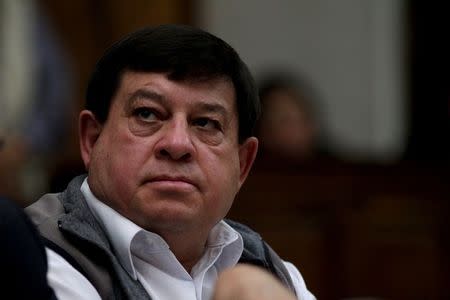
{"x": 229, "y": 244}
{"x": 119, "y": 229}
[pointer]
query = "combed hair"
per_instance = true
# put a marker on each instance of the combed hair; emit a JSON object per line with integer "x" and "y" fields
{"x": 181, "y": 52}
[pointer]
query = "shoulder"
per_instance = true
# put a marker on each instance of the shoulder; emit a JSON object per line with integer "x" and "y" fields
{"x": 66, "y": 281}
{"x": 248, "y": 235}
{"x": 299, "y": 284}
{"x": 258, "y": 252}
{"x": 255, "y": 249}
{"x": 48, "y": 207}
{"x": 51, "y": 206}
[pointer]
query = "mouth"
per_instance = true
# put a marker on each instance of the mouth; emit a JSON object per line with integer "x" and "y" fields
{"x": 172, "y": 182}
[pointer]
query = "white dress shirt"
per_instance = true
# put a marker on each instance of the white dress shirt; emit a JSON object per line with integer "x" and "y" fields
{"x": 147, "y": 258}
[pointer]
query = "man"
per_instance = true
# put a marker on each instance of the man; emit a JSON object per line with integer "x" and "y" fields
{"x": 166, "y": 138}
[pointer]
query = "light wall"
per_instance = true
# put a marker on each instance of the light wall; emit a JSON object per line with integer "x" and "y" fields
{"x": 352, "y": 51}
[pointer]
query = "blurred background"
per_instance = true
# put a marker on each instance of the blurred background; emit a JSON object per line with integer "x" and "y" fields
{"x": 352, "y": 181}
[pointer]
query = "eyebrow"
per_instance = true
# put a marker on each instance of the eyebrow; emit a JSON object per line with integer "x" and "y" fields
{"x": 154, "y": 96}
{"x": 145, "y": 94}
{"x": 213, "y": 108}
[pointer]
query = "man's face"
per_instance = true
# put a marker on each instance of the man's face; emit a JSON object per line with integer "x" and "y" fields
{"x": 168, "y": 156}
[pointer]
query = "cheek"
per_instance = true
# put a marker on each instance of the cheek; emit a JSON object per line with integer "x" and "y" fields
{"x": 127, "y": 160}
{"x": 223, "y": 177}
{"x": 119, "y": 161}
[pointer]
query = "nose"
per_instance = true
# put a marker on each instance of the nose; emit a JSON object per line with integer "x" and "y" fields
{"x": 175, "y": 142}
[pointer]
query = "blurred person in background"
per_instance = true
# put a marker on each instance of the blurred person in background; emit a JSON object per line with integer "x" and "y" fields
{"x": 289, "y": 129}
{"x": 35, "y": 93}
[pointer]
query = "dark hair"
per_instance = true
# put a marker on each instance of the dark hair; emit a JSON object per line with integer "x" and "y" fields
{"x": 184, "y": 53}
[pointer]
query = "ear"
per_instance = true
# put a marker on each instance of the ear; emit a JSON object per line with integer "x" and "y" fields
{"x": 247, "y": 155}
{"x": 89, "y": 130}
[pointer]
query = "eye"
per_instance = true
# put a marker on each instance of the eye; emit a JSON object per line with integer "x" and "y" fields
{"x": 207, "y": 123}
{"x": 145, "y": 114}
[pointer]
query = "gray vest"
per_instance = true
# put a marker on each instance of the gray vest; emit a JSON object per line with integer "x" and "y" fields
{"x": 70, "y": 229}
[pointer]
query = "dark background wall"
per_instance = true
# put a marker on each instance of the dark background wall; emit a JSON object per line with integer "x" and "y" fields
{"x": 429, "y": 59}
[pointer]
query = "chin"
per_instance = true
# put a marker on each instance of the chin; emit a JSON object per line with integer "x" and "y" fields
{"x": 175, "y": 217}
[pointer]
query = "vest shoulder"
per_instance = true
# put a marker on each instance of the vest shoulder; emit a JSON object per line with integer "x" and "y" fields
{"x": 253, "y": 242}
{"x": 48, "y": 207}
{"x": 243, "y": 229}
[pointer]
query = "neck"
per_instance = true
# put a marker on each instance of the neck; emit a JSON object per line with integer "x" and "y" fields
{"x": 188, "y": 249}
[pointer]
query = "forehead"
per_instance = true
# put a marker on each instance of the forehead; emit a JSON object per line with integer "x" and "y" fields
{"x": 157, "y": 86}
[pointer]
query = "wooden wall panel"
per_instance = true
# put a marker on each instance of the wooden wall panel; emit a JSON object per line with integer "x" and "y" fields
{"x": 356, "y": 230}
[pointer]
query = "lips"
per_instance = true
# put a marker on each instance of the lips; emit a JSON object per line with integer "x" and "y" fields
{"x": 172, "y": 181}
